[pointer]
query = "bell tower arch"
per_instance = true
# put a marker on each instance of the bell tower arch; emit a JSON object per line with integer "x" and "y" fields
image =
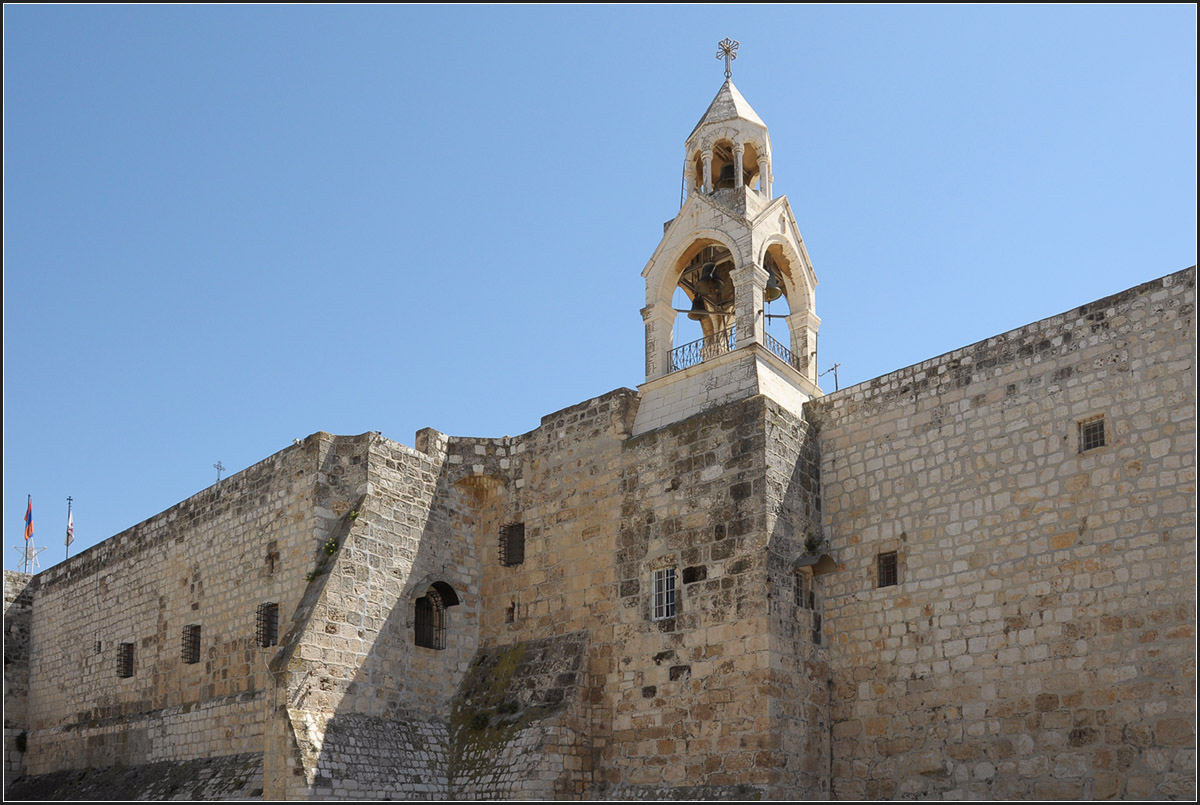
{"x": 733, "y": 262}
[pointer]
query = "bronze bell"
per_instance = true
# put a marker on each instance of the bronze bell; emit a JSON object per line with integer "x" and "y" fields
{"x": 772, "y": 291}
{"x": 709, "y": 282}
{"x": 698, "y": 310}
{"x": 726, "y": 177}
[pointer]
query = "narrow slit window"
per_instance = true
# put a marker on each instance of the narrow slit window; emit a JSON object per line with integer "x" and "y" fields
{"x": 816, "y": 627}
{"x": 662, "y": 591}
{"x": 1091, "y": 434}
{"x": 190, "y": 644}
{"x": 266, "y": 625}
{"x": 804, "y": 591}
{"x": 125, "y": 660}
{"x": 888, "y": 569}
{"x": 512, "y": 544}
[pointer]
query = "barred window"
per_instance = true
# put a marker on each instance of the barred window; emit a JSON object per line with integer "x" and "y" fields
{"x": 888, "y": 569}
{"x": 512, "y": 544}
{"x": 125, "y": 660}
{"x": 816, "y": 627}
{"x": 266, "y": 625}
{"x": 429, "y": 615}
{"x": 190, "y": 644}
{"x": 804, "y": 591}
{"x": 1091, "y": 434}
{"x": 662, "y": 594}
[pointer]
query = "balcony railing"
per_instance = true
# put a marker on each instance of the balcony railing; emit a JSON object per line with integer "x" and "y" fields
{"x": 703, "y": 349}
{"x": 782, "y": 351}
{"x": 721, "y": 342}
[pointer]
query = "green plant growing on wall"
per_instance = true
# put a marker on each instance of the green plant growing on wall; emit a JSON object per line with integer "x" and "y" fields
{"x": 813, "y": 543}
{"x": 331, "y": 546}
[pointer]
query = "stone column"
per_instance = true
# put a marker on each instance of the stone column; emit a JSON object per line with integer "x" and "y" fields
{"x": 660, "y": 321}
{"x": 803, "y": 326}
{"x": 739, "y": 150}
{"x": 708, "y": 182}
{"x": 748, "y": 284}
{"x": 764, "y": 175}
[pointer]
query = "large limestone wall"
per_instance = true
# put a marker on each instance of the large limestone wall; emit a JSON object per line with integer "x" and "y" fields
{"x": 799, "y": 647}
{"x": 1040, "y": 642}
{"x": 691, "y": 698}
{"x": 209, "y": 561}
{"x": 368, "y": 709}
{"x": 18, "y": 600}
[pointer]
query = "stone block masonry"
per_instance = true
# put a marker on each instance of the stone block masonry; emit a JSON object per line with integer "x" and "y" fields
{"x": 1039, "y": 642}
{"x": 971, "y": 578}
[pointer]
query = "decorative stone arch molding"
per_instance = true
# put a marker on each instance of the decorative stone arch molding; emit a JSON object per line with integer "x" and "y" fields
{"x": 799, "y": 283}
{"x": 796, "y": 276}
{"x": 664, "y": 277}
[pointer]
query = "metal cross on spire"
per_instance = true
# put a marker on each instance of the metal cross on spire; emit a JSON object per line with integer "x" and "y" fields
{"x": 728, "y": 52}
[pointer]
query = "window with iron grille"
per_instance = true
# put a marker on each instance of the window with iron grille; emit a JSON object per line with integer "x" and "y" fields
{"x": 125, "y": 660}
{"x": 804, "y": 591}
{"x": 190, "y": 644}
{"x": 662, "y": 594}
{"x": 430, "y": 621}
{"x": 1091, "y": 434}
{"x": 888, "y": 569}
{"x": 512, "y": 544}
{"x": 816, "y": 628}
{"x": 266, "y": 625}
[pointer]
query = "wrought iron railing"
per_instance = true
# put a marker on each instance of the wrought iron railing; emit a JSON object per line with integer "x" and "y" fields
{"x": 782, "y": 351}
{"x": 703, "y": 349}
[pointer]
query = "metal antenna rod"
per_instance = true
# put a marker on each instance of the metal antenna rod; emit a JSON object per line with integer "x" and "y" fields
{"x": 833, "y": 369}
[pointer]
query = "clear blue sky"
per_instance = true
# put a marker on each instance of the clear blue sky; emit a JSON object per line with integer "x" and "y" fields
{"x": 227, "y": 227}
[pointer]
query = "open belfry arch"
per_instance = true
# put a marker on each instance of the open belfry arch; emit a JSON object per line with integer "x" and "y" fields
{"x": 732, "y": 248}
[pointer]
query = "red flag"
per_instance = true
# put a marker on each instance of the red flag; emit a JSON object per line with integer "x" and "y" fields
{"x": 29, "y": 519}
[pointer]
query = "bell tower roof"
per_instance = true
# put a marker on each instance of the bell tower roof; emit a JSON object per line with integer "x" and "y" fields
{"x": 728, "y": 105}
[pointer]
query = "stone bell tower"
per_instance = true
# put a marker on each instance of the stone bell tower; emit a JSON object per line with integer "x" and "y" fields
{"x": 732, "y": 248}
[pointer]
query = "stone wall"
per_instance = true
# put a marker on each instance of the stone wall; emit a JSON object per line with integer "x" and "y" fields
{"x": 1040, "y": 642}
{"x": 694, "y": 699}
{"x": 18, "y": 601}
{"x": 254, "y": 537}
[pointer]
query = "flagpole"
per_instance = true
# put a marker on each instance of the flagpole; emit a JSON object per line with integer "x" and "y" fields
{"x": 70, "y": 527}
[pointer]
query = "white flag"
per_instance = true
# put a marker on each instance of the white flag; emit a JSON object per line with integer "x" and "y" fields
{"x": 70, "y": 527}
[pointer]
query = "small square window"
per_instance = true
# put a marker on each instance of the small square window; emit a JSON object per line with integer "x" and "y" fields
{"x": 190, "y": 644}
{"x": 1091, "y": 434}
{"x": 125, "y": 660}
{"x": 512, "y": 544}
{"x": 266, "y": 625}
{"x": 888, "y": 569}
{"x": 662, "y": 594}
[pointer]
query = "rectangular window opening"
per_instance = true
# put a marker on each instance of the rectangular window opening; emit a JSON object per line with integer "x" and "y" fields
{"x": 888, "y": 569}
{"x": 429, "y": 621}
{"x": 512, "y": 544}
{"x": 125, "y": 660}
{"x": 804, "y": 591}
{"x": 190, "y": 644}
{"x": 662, "y": 593}
{"x": 1091, "y": 434}
{"x": 266, "y": 625}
